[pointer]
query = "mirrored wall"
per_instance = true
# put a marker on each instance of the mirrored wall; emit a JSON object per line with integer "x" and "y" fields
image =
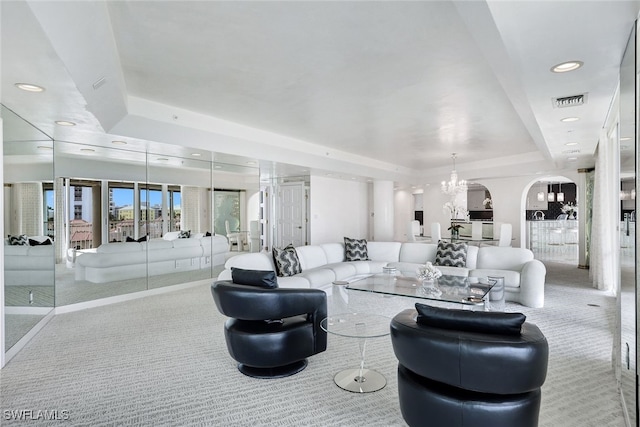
{"x": 29, "y": 290}
{"x": 627, "y": 301}
{"x": 104, "y": 221}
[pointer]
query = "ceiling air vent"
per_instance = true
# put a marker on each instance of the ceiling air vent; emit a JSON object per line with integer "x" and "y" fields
{"x": 570, "y": 101}
{"x": 570, "y": 151}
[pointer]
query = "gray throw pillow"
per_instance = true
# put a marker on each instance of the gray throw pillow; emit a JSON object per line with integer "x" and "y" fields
{"x": 286, "y": 261}
{"x": 453, "y": 254}
{"x": 184, "y": 234}
{"x": 355, "y": 249}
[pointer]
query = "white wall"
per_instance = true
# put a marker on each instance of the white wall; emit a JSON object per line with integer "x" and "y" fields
{"x": 338, "y": 209}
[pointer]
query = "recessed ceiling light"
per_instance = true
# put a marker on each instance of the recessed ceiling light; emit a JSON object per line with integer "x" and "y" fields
{"x": 572, "y": 159}
{"x": 162, "y": 159}
{"x": 566, "y": 66}
{"x": 569, "y": 144}
{"x": 64, "y": 123}
{"x": 87, "y": 150}
{"x": 218, "y": 167}
{"x": 570, "y": 119}
{"x": 29, "y": 87}
{"x": 44, "y": 148}
{"x": 196, "y": 154}
{"x": 625, "y": 138}
{"x": 251, "y": 163}
{"x": 118, "y": 142}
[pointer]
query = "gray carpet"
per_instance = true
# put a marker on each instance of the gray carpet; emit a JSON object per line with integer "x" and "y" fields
{"x": 162, "y": 361}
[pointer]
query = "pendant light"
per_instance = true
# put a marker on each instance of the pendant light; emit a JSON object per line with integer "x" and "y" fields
{"x": 560, "y": 197}
{"x": 540, "y": 193}
{"x": 551, "y": 197}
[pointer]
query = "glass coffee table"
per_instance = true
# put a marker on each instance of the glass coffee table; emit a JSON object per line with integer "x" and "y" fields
{"x": 362, "y": 326}
{"x": 468, "y": 291}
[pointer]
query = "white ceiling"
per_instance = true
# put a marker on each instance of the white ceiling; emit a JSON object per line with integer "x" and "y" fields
{"x": 375, "y": 89}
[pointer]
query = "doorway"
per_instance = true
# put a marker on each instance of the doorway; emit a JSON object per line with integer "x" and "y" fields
{"x": 291, "y": 213}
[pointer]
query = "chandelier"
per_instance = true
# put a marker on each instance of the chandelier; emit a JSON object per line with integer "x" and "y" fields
{"x": 454, "y": 186}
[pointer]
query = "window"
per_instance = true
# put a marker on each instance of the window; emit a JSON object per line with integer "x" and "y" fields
{"x": 174, "y": 208}
{"x": 81, "y": 214}
{"x": 120, "y": 211}
{"x": 150, "y": 211}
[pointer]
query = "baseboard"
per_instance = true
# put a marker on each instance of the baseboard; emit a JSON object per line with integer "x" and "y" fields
{"x": 42, "y": 311}
{"x": 127, "y": 297}
{"x": 22, "y": 342}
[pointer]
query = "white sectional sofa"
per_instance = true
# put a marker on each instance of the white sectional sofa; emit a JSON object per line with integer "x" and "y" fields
{"x": 323, "y": 264}
{"x": 29, "y": 265}
{"x": 129, "y": 260}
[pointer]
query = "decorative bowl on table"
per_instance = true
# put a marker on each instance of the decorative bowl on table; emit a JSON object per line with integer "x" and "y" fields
{"x": 428, "y": 272}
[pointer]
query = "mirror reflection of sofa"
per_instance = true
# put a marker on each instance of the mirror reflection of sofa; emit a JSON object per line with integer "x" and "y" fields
{"x": 29, "y": 264}
{"x": 170, "y": 254}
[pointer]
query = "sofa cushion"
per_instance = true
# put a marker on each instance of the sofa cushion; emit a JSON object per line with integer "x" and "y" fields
{"x": 119, "y": 247}
{"x": 367, "y": 267}
{"x": 503, "y": 258}
{"x": 384, "y": 251}
{"x": 334, "y": 252}
{"x": 355, "y": 249}
{"x": 319, "y": 277}
{"x": 185, "y": 243}
{"x": 171, "y": 235}
{"x": 250, "y": 261}
{"x": 259, "y": 278}
{"x": 418, "y": 253}
{"x": 311, "y": 257}
{"x": 286, "y": 261}
{"x": 470, "y": 321}
{"x": 155, "y": 244}
{"x": 342, "y": 270}
{"x": 452, "y": 254}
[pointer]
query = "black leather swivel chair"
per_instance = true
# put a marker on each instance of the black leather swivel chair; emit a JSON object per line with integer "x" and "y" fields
{"x": 461, "y": 368}
{"x": 271, "y": 331}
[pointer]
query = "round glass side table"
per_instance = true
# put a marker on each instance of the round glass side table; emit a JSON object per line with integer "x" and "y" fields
{"x": 361, "y": 326}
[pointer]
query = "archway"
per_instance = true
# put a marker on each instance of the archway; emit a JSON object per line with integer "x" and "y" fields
{"x": 551, "y": 218}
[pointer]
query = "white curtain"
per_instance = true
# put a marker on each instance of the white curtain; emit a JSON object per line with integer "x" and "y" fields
{"x": 604, "y": 235}
{"x": 28, "y": 209}
{"x": 61, "y": 225}
{"x": 194, "y": 209}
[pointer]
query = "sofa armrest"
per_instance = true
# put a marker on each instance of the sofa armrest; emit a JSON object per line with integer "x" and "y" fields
{"x": 532, "y": 278}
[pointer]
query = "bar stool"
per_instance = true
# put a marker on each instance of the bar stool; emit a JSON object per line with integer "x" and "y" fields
{"x": 556, "y": 234}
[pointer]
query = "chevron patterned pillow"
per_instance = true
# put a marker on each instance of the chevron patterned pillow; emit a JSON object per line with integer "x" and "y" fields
{"x": 286, "y": 261}
{"x": 21, "y": 240}
{"x": 452, "y": 254}
{"x": 355, "y": 249}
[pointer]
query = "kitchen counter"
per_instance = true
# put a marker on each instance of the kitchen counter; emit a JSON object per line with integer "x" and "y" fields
{"x": 465, "y": 231}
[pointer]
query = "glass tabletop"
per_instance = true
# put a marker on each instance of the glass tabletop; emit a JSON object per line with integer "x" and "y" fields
{"x": 455, "y": 289}
{"x": 357, "y": 325}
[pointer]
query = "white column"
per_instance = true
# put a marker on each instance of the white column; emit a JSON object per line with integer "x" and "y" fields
{"x": 383, "y": 211}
